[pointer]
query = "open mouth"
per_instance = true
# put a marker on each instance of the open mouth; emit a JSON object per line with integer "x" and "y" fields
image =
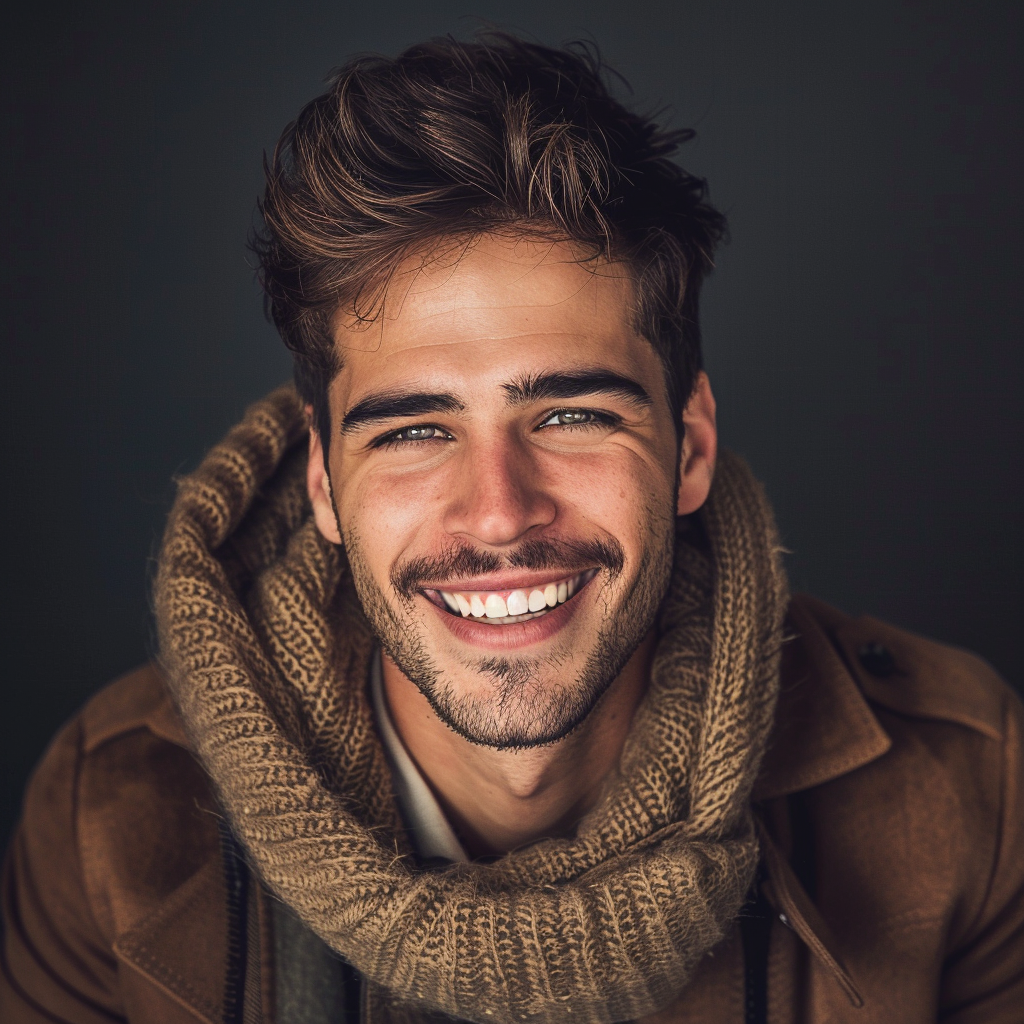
{"x": 504, "y": 607}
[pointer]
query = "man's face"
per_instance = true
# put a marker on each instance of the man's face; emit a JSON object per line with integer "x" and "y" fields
{"x": 503, "y": 467}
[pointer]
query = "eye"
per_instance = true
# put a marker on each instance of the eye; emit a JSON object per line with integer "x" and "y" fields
{"x": 578, "y": 418}
{"x": 418, "y": 432}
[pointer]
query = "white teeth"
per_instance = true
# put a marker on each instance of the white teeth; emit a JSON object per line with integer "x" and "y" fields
{"x": 517, "y": 606}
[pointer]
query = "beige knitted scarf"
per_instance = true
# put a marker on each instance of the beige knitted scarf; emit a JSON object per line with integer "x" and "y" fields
{"x": 267, "y": 651}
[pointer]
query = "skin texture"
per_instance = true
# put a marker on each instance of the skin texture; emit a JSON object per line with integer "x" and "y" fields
{"x": 499, "y": 486}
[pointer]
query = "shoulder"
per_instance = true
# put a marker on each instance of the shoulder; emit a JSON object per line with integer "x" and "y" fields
{"x": 914, "y": 676}
{"x": 117, "y": 781}
{"x": 116, "y": 860}
{"x": 132, "y": 713}
{"x": 932, "y": 805}
{"x": 137, "y": 700}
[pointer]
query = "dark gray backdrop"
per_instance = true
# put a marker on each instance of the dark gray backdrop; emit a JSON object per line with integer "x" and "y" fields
{"x": 863, "y": 329}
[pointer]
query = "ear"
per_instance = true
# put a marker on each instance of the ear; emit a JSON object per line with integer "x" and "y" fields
{"x": 699, "y": 449}
{"x": 318, "y": 486}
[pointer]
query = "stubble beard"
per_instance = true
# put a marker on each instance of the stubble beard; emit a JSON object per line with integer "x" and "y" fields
{"x": 523, "y": 708}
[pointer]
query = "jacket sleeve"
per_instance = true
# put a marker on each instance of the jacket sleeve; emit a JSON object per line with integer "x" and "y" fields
{"x": 983, "y": 980}
{"x": 55, "y": 965}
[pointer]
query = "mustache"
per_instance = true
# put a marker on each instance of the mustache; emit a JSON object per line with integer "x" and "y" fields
{"x": 568, "y": 556}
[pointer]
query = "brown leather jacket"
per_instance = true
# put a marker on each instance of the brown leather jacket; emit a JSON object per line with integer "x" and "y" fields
{"x": 892, "y": 887}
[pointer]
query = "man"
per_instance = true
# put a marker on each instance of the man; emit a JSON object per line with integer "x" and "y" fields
{"x": 480, "y": 694}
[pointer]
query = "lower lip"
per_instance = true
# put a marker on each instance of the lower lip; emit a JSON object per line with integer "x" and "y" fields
{"x": 514, "y": 634}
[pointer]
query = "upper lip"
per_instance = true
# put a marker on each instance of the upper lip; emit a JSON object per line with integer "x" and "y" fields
{"x": 517, "y": 580}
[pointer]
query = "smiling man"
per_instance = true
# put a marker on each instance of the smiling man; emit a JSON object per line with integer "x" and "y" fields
{"x": 513, "y": 599}
{"x": 480, "y": 693}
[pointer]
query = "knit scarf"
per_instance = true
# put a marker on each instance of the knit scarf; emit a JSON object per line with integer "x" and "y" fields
{"x": 267, "y": 653}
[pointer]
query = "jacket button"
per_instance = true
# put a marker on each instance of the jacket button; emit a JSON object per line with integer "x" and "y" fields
{"x": 876, "y": 659}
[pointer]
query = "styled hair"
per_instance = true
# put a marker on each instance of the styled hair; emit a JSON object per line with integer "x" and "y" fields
{"x": 453, "y": 139}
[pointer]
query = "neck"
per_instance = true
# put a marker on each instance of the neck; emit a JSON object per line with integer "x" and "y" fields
{"x": 499, "y": 800}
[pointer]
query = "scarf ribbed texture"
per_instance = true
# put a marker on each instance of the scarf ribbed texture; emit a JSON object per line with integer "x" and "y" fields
{"x": 267, "y": 652}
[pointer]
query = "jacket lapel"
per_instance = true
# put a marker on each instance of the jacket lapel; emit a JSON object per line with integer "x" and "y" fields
{"x": 823, "y": 729}
{"x": 823, "y": 725}
{"x": 181, "y": 946}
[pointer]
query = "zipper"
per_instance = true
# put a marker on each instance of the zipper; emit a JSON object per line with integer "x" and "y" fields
{"x": 755, "y": 929}
{"x": 356, "y": 1010}
{"x": 236, "y": 881}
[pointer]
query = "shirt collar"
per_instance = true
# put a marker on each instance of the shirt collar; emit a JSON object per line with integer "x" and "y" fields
{"x": 432, "y": 836}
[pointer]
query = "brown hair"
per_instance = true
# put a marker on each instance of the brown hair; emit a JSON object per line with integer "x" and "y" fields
{"x": 452, "y": 139}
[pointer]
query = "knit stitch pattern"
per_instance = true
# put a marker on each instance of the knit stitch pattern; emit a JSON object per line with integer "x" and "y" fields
{"x": 267, "y": 653}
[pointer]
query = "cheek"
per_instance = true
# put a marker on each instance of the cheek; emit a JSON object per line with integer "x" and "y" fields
{"x": 619, "y": 494}
{"x": 388, "y": 514}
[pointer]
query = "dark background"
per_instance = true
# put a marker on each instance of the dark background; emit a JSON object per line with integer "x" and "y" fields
{"x": 863, "y": 329}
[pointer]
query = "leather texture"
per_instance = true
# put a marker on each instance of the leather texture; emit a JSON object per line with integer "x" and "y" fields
{"x": 892, "y": 818}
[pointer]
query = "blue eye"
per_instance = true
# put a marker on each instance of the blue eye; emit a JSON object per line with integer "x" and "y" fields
{"x": 418, "y": 432}
{"x": 573, "y": 416}
{"x": 578, "y": 418}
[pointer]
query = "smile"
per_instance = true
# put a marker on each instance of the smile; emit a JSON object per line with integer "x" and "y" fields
{"x": 505, "y": 607}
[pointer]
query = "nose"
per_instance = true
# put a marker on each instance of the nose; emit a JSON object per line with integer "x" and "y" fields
{"x": 498, "y": 495}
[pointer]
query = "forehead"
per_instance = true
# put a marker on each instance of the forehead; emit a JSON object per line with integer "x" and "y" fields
{"x": 498, "y": 308}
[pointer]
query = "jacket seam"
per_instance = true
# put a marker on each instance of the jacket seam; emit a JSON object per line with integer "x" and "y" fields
{"x": 943, "y": 718}
{"x": 76, "y": 818}
{"x": 166, "y": 980}
{"x": 92, "y": 744}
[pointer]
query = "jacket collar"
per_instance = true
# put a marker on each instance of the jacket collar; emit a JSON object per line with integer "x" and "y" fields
{"x": 182, "y": 947}
{"x": 824, "y": 727}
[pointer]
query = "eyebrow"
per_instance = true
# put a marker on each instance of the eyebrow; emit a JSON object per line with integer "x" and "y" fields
{"x": 535, "y": 387}
{"x": 575, "y": 384}
{"x": 387, "y": 405}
